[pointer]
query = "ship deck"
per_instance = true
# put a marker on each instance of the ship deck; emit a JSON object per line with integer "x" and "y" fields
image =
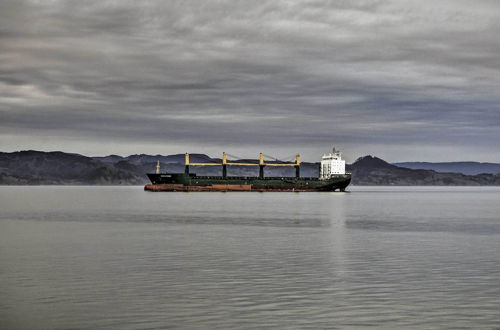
{"x": 254, "y": 178}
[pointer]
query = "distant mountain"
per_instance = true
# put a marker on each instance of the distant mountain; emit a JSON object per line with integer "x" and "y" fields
{"x": 371, "y": 170}
{"x": 143, "y": 158}
{"x": 59, "y": 168}
{"x": 36, "y": 167}
{"x": 110, "y": 158}
{"x": 468, "y": 168}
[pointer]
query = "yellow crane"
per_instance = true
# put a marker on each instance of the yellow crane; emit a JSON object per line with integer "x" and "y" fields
{"x": 261, "y": 164}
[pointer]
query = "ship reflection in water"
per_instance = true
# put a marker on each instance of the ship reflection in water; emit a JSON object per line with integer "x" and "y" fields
{"x": 116, "y": 257}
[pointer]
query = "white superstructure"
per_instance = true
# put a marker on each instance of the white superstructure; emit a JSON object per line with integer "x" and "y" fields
{"x": 332, "y": 164}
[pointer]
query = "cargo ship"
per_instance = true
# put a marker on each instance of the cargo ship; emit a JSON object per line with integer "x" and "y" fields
{"x": 332, "y": 177}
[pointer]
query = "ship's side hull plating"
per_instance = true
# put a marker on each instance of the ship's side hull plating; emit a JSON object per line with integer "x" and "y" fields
{"x": 191, "y": 182}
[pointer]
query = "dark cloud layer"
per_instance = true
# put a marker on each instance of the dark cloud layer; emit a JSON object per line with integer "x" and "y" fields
{"x": 405, "y": 80}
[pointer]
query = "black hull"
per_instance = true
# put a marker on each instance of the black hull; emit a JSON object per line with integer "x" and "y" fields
{"x": 192, "y": 182}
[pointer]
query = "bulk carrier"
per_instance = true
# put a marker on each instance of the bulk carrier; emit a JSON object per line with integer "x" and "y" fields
{"x": 332, "y": 177}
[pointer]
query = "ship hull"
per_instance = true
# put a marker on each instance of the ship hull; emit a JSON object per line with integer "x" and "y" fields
{"x": 191, "y": 182}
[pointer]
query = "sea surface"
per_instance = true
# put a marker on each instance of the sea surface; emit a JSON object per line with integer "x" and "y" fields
{"x": 123, "y": 258}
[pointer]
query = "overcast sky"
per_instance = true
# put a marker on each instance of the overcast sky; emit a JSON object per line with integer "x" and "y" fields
{"x": 402, "y": 80}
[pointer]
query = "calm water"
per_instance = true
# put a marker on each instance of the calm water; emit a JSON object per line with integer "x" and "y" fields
{"x": 122, "y": 258}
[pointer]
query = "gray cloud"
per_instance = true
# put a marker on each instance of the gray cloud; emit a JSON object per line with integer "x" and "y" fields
{"x": 401, "y": 79}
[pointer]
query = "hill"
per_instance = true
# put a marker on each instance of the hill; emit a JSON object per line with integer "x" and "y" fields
{"x": 48, "y": 168}
{"x": 468, "y": 168}
{"x": 371, "y": 170}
